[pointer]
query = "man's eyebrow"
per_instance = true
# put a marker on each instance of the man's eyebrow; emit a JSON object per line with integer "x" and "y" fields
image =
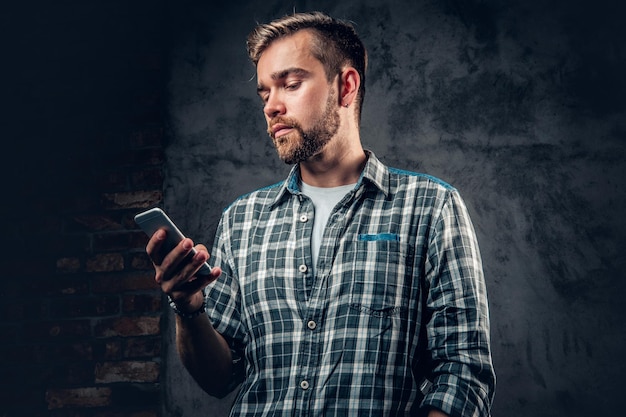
{"x": 279, "y": 75}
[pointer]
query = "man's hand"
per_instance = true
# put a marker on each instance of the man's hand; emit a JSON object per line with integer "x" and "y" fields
{"x": 176, "y": 272}
{"x": 437, "y": 413}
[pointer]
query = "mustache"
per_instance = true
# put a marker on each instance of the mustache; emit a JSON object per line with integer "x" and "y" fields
{"x": 286, "y": 121}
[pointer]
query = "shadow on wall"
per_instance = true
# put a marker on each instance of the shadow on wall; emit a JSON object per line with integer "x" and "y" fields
{"x": 520, "y": 107}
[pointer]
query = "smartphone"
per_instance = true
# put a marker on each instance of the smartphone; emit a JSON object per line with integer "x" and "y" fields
{"x": 154, "y": 219}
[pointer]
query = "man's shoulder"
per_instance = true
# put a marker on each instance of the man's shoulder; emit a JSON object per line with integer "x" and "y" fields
{"x": 402, "y": 177}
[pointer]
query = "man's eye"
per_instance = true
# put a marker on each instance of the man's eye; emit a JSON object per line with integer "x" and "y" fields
{"x": 292, "y": 86}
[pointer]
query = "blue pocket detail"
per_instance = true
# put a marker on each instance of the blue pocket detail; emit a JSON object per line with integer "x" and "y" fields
{"x": 381, "y": 236}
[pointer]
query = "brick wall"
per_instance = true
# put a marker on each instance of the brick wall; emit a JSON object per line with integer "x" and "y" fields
{"x": 80, "y": 313}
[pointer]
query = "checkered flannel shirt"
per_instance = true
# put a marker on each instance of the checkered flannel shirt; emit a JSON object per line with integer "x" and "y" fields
{"x": 398, "y": 295}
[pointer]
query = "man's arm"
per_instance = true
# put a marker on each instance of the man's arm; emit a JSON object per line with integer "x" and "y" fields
{"x": 203, "y": 351}
{"x": 458, "y": 326}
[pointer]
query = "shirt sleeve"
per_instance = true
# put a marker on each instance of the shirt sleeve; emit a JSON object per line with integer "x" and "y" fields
{"x": 457, "y": 316}
{"x": 223, "y": 299}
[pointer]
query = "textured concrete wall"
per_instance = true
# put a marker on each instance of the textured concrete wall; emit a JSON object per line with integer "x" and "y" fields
{"x": 519, "y": 104}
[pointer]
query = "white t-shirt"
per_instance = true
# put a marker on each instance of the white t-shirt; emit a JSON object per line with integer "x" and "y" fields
{"x": 324, "y": 200}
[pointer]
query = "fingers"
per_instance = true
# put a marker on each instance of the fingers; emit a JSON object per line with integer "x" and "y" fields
{"x": 154, "y": 246}
{"x": 166, "y": 255}
{"x": 182, "y": 260}
{"x": 183, "y": 291}
{"x": 177, "y": 270}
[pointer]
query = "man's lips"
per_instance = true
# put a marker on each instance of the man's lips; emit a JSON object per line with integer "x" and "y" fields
{"x": 280, "y": 129}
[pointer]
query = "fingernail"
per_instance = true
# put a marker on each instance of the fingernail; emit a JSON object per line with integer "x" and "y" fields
{"x": 187, "y": 245}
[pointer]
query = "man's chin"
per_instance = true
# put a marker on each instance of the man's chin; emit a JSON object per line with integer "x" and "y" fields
{"x": 287, "y": 157}
{"x": 291, "y": 159}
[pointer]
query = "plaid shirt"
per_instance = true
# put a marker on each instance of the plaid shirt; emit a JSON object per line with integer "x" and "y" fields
{"x": 398, "y": 295}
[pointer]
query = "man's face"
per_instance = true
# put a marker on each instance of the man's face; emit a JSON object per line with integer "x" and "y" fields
{"x": 300, "y": 106}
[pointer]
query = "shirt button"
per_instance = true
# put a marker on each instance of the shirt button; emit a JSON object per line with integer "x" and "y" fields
{"x": 303, "y": 268}
{"x": 304, "y": 218}
{"x": 304, "y": 385}
{"x": 311, "y": 325}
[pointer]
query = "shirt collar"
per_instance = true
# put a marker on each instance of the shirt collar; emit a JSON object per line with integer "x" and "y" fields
{"x": 374, "y": 174}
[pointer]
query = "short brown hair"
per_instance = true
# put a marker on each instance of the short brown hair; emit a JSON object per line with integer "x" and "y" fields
{"x": 335, "y": 43}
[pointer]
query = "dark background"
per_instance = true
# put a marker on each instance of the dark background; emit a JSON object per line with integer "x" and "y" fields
{"x": 519, "y": 104}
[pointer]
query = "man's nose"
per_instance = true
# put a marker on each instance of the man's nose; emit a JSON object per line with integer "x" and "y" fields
{"x": 274, "y": 106}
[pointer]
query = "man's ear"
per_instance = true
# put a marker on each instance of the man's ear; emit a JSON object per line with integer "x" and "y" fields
{"x": 349, "y": 86}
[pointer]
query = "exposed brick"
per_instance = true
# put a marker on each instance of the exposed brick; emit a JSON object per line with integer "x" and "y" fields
{"x": 78, "y": 397}
{"x": 85, "y": 307}
{"x": 73, "y": 244}
{"x": 109, "y": 349}
{"x": 75, "y": 373}
{"x": 58, "y": 352}
{"x": 116, "y": 240}
{"x": 81, "y": 203}
{"x": 128, "y": 326}
{"x": 98, "y": 222}
{"x": 138, "y": 241}
{"x": 147, "y": 137}
{"x": 56, "y": 330}
{"x": 81, "y": 220}
{"x": 150, "y": 177}
{"x": 72, "y": 284}
{"x": 152, "y": 156}
{"x": 134, "y": 199}
{"x": 128, "y": 219}
{"x": 141, "y": 261}
{"x": 69, "y": 412}
{"x": 141, "y": 303}
{"x": 123, "y": 282}
{"x": 68, "y": 265}
{"x": 143, "y": 413}
{"x": 128, "y": 371}
{"x": 105, "y": 262}
{"x": 15, "y": 310}
{"x": 113, "y": 180}
{"x": 142, "y": 347}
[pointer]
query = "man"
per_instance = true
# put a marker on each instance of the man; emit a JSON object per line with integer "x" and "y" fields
{"x": 350, "y": 288}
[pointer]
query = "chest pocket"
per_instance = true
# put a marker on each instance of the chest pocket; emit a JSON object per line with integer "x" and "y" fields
{"x": 381, "y": 275}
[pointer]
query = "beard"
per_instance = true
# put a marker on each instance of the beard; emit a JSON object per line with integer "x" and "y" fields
{"x": 300, "y": 144}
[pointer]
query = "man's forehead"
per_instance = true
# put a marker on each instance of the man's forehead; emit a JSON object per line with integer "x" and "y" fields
{"x": 290, "y": 47}
{"x": 290, "y": 55}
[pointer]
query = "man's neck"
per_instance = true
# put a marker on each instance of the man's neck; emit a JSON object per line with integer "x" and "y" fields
{"x": 333, "y": 168}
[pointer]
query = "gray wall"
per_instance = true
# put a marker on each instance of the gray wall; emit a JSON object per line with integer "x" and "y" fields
{"x": 519, "y": 104}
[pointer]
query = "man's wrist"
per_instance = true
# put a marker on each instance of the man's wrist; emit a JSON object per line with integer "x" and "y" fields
{"x": 183, "y": 313}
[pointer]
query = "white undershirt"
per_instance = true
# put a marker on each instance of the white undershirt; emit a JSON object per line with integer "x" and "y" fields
{"x": 324, "y": 200}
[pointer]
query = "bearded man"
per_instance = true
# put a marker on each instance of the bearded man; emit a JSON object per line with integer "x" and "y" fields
{"x": 350, "y": 288}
